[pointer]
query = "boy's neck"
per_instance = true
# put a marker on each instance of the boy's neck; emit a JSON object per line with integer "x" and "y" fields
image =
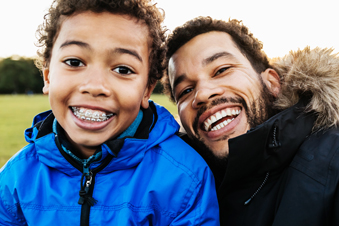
{"x": 84, "y": 152}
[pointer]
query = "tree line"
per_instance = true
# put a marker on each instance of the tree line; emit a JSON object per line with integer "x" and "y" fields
{"x": 19, "y": 75}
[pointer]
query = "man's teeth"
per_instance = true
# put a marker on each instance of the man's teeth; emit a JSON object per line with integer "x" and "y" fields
{"x": 219, "y": 115}
{"x": 91, "y": 115}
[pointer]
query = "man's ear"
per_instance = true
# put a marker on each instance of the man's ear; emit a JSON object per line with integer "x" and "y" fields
{"x": 45, "y": 75}
{"x": 272, "y": 80}
{"x": 147, "y": 95}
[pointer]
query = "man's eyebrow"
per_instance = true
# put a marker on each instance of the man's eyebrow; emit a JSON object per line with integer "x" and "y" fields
{"x": 128, "y": 51}
{"x": 177, "y": 80}
{"x": 73, "y": 42}
{"x": 215, "y": 56}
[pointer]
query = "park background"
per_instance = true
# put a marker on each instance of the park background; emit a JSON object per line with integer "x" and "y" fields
{"x": 281, "y": 26}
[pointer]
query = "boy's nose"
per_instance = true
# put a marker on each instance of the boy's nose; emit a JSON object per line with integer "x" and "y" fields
{"x": 205, "y": 94}
{"x": 96, "y": 85}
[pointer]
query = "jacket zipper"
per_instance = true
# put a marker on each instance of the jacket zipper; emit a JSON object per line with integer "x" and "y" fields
{"x": 87, "y": 185}
{"x": 86, "y": 192}
{"x": 86, "y": 198}
{"x": 274, "y": 144}
{"x": 256, "y": 192}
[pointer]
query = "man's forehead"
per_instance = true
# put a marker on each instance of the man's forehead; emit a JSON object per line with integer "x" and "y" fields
{"x": 203, "y": 46}
{"x": 201, "y": 51}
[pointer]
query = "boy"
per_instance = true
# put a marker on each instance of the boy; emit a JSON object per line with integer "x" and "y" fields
{"x": 105, "y": 155}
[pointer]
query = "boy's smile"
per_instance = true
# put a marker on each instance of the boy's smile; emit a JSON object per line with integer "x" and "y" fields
{"x": 97, "y": 79}
{"x": 91, "y": 115}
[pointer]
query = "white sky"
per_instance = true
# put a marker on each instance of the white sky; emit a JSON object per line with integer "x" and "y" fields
{"x": 280, "y": 25}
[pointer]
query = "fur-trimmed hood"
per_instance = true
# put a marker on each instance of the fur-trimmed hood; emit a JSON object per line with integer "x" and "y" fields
{"x": 310, "y": 72}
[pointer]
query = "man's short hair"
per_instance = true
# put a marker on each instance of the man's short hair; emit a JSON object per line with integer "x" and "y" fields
{"x": 249, "y": 46}
{"x": 142, "y": 10}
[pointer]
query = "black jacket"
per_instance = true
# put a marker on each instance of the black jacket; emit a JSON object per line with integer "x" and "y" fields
{"x": 285, "y": 172}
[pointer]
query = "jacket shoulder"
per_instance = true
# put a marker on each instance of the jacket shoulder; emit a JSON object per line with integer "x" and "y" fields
{"x": 183, "y": 156}
{"x": 21, "y": 159}
{"x": 318, "y": 155}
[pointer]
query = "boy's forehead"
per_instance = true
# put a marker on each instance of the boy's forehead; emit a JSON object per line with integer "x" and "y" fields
{"x": 90, "y": 24}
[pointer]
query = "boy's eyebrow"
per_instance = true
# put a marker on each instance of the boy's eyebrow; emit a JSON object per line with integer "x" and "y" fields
{"x": 73, "y": 42}
{"x": 116, "y": 50}
{"x": 127, "y": 51}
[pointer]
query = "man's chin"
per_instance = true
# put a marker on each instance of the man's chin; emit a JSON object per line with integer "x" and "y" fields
{"x": 218, "y": 152}
{"x": 212, "y": 155}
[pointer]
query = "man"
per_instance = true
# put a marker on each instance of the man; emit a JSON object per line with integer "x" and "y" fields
{"x": 266, "y": 129}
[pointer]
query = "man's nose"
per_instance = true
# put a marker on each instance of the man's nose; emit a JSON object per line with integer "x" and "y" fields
{"x": 96, "y": 84}
{"x": 206, "y": 93}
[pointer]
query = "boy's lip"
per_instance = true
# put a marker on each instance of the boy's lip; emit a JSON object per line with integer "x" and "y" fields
{"x": 92, "y": 107}
{"x": 91, "y": 116}
{"x": 211, "y": 120}
{"x": 89, "y": 124}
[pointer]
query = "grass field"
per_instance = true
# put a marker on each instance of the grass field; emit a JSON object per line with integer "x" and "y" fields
{"x": 17, "y": 112}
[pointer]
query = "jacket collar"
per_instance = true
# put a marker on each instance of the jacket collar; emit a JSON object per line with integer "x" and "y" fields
{"x": 45, "y": 127}
{"x": 50, "y": 151}
{"x": 270, "y": 146}
{"x": 156, "y": 126}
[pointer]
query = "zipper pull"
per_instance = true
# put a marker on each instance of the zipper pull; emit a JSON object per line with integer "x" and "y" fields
{"x": 83, "y": 193}
{"x": 275, "y": 143}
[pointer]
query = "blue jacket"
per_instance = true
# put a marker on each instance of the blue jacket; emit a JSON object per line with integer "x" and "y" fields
{"x": 153, "y": 178}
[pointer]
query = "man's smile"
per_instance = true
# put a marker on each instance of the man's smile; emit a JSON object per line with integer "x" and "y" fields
{"x": 218, "y": 114}
{"x": 221, "y": 119}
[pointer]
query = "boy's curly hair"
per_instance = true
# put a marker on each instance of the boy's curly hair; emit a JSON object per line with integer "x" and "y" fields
{"x": 142, "y": 10}
{"x": 246, "y": 43}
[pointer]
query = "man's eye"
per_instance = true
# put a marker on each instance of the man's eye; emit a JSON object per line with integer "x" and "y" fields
{"x": 123, "y": 70}
{"x": 74, "y": 63}
{"x": 184, "y": 92}
{"x": 221, "y": 70}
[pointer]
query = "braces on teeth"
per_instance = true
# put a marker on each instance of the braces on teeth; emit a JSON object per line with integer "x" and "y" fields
{"x": 90, "y": 115}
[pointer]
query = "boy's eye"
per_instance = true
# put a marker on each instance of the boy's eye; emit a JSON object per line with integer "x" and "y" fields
{"x": 74, "y": 63}
{"x": 184, "y": 92}
{"x": 123, "y": 70}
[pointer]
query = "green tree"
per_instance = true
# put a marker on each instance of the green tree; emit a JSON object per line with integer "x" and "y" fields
{"x": 158, "y": 88}
{"x": 19, "y": 75}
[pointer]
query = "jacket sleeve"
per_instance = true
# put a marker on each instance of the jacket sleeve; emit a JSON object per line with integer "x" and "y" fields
{"x": 8, "y": 207}
{"x": 7, "y": 218}
{"x": 202, "y": 207}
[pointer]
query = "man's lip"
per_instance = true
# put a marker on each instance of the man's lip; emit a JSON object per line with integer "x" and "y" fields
{"x": 215, "y": 109}
{"x": 227, "y": 130}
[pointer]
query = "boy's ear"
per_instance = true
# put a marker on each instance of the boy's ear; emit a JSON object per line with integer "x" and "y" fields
{"x": 272, "y": 81}
{"x": 147, "y": 95}
{"x": 45, "y": 74}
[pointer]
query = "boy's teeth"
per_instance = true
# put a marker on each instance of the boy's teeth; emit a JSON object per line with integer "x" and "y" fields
{"x": 91, "y": 115}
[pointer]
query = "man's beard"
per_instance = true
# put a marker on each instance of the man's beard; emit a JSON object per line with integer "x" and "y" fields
{"x": 259, "y": 111}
